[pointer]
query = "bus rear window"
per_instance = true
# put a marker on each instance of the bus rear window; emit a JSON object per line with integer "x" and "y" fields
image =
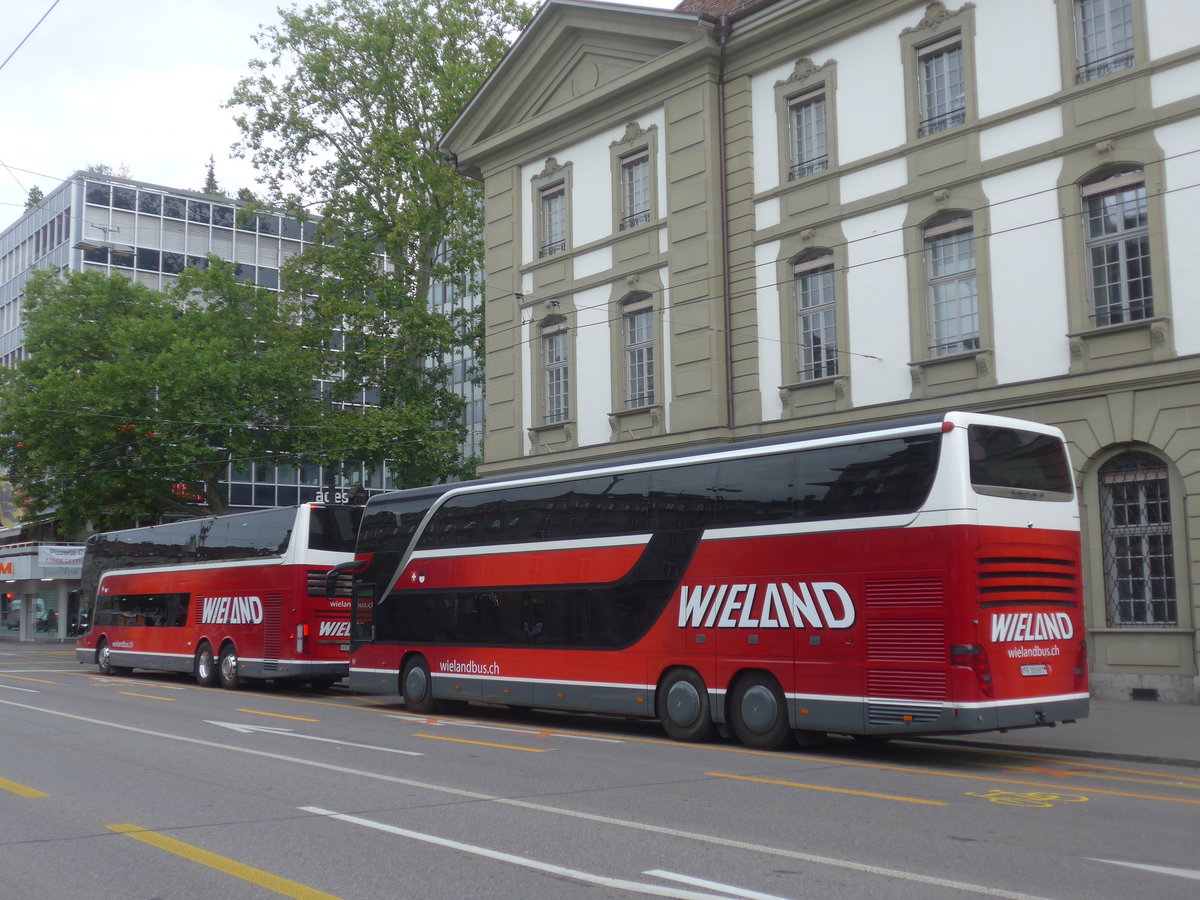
{"x": 1007, "y": 462}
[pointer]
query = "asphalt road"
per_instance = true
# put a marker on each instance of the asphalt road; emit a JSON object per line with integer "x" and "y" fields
{"x": 147, "y": 786}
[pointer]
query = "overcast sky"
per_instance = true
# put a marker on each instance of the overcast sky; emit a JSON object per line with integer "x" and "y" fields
{"x": 126, "y": 83}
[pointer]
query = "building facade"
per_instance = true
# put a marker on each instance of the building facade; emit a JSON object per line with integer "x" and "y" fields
{"x": 738, "y": 219}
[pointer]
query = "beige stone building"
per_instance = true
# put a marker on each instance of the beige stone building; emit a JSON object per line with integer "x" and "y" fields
{"x": 737, "y": 219}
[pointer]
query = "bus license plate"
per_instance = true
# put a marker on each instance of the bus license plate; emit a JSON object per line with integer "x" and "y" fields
{"x": 1039, "y": 669}
{"x": 345, "y": 648}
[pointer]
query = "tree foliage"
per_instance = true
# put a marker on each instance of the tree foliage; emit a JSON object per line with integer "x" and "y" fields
{"x": 343, "y": 115}
{"x": 132, "y": 402}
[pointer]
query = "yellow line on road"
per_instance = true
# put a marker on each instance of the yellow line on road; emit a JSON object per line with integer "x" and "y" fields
{"x": 20, "y": 790}
{"x": 275, "y": 883}
{"x": 991, "y": 779}
{"x": 26, "y": 678}
{"x": 259, "y": 712}
{"x": 147, "y": 696}
{"x": 437, "y": 737}
{"x": 832, "y": 790}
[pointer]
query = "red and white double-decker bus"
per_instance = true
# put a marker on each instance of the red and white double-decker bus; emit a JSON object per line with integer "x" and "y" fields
{"x": 915, "y": 576}
{"x": 225, "y": 597}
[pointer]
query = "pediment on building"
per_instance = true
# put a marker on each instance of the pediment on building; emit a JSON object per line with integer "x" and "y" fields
{"x": 571, "y": 54}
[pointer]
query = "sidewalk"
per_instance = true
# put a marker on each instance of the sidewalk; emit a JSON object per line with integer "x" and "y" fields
{"x": 1141, "y": 731}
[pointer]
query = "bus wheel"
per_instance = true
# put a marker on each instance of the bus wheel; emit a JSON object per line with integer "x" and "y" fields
{"x": 227, "y": 668}
{"x": 683, "y": 707}
{"x": 416, "y": 685}
{"x": 206, "y": 666}
{"x": 103, "y": 658}
{"x": 759, "y": 712}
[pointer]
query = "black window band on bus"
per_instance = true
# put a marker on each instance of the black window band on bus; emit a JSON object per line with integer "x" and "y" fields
{"x": 883, "y": 477}
{"x": 150, "y": 610}
{"x": 1026, "y": 465}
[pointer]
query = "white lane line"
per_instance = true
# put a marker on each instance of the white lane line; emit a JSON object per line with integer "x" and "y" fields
{"x": 1161, "y": 870}
{"x": 13, "y": 687}
{"x": 711, "y": 885}
{"x": 289, "y": 732}
{"x": 832, "y": 861}
{"x": 523, "y": 861}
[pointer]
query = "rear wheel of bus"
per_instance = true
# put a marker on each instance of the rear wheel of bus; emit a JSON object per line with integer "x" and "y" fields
{"x": 227, "y": 668}
{"x": 759, "y": 712}
{"x": 683, "y": 707}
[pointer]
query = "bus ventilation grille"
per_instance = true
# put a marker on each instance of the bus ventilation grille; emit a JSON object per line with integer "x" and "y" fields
{"x": 906, "y": 640}
{"x": 1028, "y": 579}
{"x": 903, "y": 592}
{"x": 272, "y": 627}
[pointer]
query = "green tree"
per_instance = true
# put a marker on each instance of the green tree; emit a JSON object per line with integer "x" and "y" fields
{"x": 132, "y": 402}
{"x": 210, "y": 179}
{"x": 343, "y": 115}
{"x": 34, "y": 198}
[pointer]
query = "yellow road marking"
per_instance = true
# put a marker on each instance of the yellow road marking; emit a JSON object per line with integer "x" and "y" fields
{"x": 24, "y": 678}
{"x": 147, "y": 696}
{"x": 832, "y": 790}
{"x": 259, "y": 712}
{"x": 436, "y": 737}
{"x": 282, "y": 886}
{"x": 20, "y": 790}
{"x": 1075, "y": 764}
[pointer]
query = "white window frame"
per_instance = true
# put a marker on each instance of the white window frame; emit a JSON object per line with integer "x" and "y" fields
{"x": 816, "y": 316}
{"x": 941, "y": 85}
{"x": 950, "y": 271}
{"x": 1125, "y": 248}
{"x": 556, "y": 359}
{"x": 637, "y": 327}
{"x": 1104, "y": 38}
{"x": 552, "y": 201}
{"x": 808, "y": 133}
{"x": 636, "y": 190}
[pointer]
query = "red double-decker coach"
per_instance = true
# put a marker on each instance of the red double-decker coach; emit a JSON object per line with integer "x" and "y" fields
{"x": 225, "y": 597}
{"x": 914, "y": 576}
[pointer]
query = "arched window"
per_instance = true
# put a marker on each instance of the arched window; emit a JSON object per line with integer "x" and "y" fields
{"x": 1135, "y": 523}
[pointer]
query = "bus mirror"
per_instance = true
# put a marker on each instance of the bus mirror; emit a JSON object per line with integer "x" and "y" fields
{"x": 354, "y": 567}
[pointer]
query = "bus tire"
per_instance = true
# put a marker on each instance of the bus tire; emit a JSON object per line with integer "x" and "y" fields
{"x": 759, "y": 712}
{"x": 416, "y": 686}
{"x": 227, "y": 668}
{"x": 205, "y": 666}
{"x": 103, "y": 658}
{"x": 683, "y": 707}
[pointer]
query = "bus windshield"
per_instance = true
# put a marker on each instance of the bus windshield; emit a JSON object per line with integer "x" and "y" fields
{"x": 1009, "y": 462}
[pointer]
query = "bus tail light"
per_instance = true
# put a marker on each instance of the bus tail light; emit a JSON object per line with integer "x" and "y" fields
{"x": 1081, "y": 666}
{"x": 301, "y": 634}
{"x": 974, "y": 657}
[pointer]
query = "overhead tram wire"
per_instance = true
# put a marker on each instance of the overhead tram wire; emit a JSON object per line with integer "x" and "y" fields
{"x": 29, "y": 35}
{"x": 903, "y": 255}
